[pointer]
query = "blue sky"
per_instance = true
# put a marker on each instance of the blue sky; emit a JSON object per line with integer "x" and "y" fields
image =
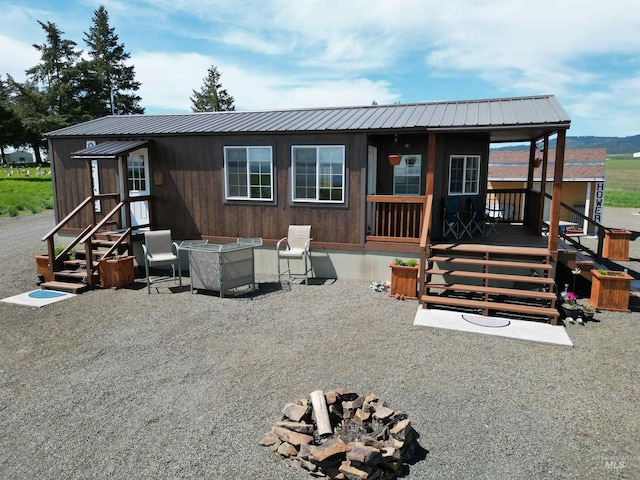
{"x": 313, "y": 53}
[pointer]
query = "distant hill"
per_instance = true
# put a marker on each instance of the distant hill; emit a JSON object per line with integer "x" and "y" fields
{"x": 612, "y": 144}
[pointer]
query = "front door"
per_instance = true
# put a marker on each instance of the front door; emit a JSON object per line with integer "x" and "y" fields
{"x": 138, "y": 185}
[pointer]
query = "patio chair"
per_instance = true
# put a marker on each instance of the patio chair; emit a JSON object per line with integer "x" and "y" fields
{"x": 296, "y": 245}
{"x": 159, "y": 250}
{"x": 480, "y": 220}
{"x": 452, "y": 222}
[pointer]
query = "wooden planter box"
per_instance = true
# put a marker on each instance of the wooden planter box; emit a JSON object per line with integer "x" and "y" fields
{"x": 610, "y": 292}
{"x": 404, "y": 281}
{"x": 116, "y": 272}
{"x": 42, "y": 265}
{"x": 616, "y": 244}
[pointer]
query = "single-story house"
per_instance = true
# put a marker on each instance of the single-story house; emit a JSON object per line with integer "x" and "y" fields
{"x": 225, "y": 175}
{"x": 19, "y": 156}
{"x": 582, "y": 180}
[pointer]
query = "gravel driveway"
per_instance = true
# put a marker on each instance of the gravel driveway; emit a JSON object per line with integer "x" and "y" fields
{"x": 121, "y": 384}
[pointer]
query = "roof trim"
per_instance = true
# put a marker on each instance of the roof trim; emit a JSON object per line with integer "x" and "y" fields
{"x": 109, "y": 150}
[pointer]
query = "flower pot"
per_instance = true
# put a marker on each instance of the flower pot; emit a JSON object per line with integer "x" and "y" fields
{"x": 116, "y": 272}
{"x": 610, "y": 290}
{"x": 616, "y": 244}
{"x": 573, "y": 311}
{"x": 395, "y": 159}
{"x": 404, "y": 281}
{"x": 536, "y": 162}
{"x": 42, "y": 265}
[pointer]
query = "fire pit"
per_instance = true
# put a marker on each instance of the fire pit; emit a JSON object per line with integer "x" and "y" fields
{"x": 343, "y": 435}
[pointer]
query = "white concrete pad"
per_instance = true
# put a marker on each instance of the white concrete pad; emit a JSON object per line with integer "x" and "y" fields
{"x": 520, "y": 329}
{"x": 38, "y": 298}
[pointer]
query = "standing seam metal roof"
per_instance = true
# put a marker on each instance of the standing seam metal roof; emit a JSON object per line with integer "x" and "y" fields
{"x": 462, "y": 115}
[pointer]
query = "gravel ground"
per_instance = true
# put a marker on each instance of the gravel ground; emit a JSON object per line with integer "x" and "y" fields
{"x": 121, "y": 384}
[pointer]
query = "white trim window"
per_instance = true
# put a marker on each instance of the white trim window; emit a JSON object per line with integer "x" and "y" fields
{"x": 406, "y": 175}
{"x": 248, "y": 173}
{"x": 318, "y": 173}
{"x": 464, "y": 174}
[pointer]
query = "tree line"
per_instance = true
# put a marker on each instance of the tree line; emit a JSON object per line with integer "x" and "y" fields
{"x": 67, "y": 87}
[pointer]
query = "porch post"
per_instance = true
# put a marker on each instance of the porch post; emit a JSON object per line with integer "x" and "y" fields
{"x": 124, "y": 190}
{"x": 532, "y": 154}
{"x": 554, "y": 217}
{"x": 431, "y": 164}
{"x": 425, "y": 234}
{"x": 93, "y": 199}
{"x": 543, "y": 181}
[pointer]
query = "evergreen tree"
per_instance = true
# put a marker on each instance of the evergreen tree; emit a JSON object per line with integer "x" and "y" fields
{"x": 11, "y": 129}
{"x": 108, "y": 84}
{"x": 212, "y": 97}
{"x": 56, "y": 74}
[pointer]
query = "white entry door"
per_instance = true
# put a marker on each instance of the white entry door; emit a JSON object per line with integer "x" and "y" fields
{"x": 138, "y": 185}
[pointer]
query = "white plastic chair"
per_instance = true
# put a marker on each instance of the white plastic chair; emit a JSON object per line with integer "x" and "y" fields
{"x": 296, "y": 245}
{"x": 159, "y": 251}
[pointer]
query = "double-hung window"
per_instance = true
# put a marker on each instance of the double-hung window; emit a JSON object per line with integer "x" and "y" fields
{"x": 406, "y": 175}
{"x": 248, "y": 173}
{"x": 318, "y": 173}
{"x": 464, "y": 174}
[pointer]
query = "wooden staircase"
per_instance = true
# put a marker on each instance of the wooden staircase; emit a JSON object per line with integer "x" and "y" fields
{"x": 491, "y": 278}
{"x": 73, "y": 276}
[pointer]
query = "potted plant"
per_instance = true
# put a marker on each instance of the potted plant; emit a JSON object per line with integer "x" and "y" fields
{"x": 395, "y": 159}
{"x": 610, "y": 290}
{"x": 404, "y": 278}
{"x": 570, "y": 306}
{"x": 588, "y": 311}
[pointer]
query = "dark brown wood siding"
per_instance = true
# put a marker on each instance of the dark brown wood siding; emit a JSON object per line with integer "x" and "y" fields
{"x": 191, "y": 200}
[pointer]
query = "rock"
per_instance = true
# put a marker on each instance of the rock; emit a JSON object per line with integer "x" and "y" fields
{"x": 293, "y": 438}
{"x": 333, "y": 446}
{"x": 294, "y": 412}
{"x": 296, "y": 426}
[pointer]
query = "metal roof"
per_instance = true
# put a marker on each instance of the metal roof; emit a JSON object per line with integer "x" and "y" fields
{"x": 507, "y": 115}
{"x": 111, "y": 149}
{"x": 580, "y": 164}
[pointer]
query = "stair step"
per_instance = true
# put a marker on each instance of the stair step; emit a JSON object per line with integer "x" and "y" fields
{"x": 512, "y": 292}
{"x": 492, "y": 263}
{"x": 493, "y": 276}
{"x": 64, "y": 286}
{"x": 479, "y": 249}
{"x": 493, "y": 306}
{"x": 78, "y": 263}
{"x": 79, "y": 274}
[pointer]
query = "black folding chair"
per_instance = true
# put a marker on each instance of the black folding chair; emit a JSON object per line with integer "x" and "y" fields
{"x": 480, "y": 221}
{"x": 452, "y": 223}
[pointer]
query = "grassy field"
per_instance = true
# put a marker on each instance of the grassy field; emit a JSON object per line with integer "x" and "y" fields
{"x": 622, "y": 181}
{"x": 20, "y": 194}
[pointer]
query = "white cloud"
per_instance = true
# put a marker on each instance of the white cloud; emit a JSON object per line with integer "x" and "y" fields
{"x": 16, "y": 58}
{"x": 169, "y": 80}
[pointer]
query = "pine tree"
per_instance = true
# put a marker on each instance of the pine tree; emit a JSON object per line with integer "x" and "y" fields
{"x": 212, "y": 97}
{"x": 108, "y": 83}
{"x": 56, "y": 73}
{"x": 11, "y": 128}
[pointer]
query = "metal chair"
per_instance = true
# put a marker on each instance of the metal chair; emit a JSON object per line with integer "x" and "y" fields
{"x": 296, "y": 245}
{"x": 480, "y": 220}
{"x": 452, "y": 222}
{"x": 159, "y": 250}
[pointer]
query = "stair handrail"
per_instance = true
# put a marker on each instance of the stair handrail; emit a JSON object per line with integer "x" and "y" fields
{"x": 117, "y": 243}
{"x": 601, "y": 230}
{"x": 425, "y": 239}
{"x": 86, "y": 240}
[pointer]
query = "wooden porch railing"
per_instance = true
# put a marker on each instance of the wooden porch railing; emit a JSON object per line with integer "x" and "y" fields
{"x": 507, "y": 205}
{"x": 393, "y": 218}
